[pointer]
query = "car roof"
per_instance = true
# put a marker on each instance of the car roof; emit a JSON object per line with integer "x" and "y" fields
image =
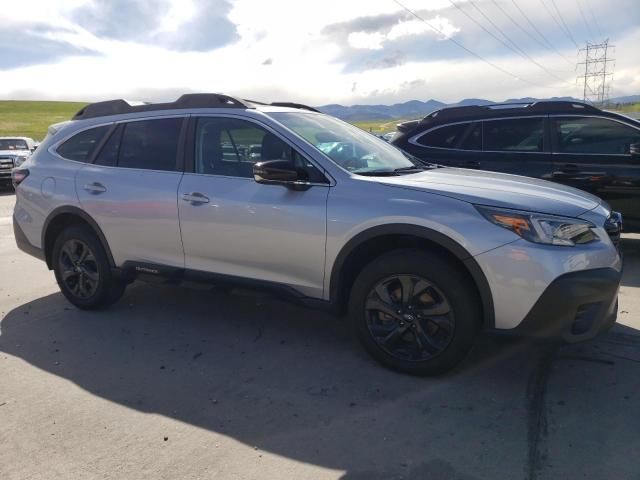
{"x": 188, "y": 101}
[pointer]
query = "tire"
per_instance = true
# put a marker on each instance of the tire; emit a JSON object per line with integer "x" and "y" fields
{"x": 88, "y": 282}
{"x": 415, "y": 312}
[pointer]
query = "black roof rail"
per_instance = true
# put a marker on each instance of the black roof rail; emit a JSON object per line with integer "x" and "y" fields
{"x": 544, "y": 106}
{"x": 286, "y": 104}
{"x": 188, "y": 100}
{"x": 295, "y": 105}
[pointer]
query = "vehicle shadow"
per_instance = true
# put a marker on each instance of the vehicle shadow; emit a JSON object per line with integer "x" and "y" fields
{"x": 289, "y": 381}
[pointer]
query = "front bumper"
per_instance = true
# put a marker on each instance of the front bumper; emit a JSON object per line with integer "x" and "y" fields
{"x": 576, "y": 306}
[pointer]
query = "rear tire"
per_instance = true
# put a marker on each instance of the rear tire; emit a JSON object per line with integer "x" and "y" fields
{"x": 83, "y": 271}
{"x": 415, "y": 312}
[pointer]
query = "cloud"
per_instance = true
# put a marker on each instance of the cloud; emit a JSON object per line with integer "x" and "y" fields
{"x": 20, "y": 46}
{"x": 199, "y": 25}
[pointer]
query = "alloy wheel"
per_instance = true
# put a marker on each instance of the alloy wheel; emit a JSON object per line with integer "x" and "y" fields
{"x": 409, "y": 317}
{"x": 78, "y": 268}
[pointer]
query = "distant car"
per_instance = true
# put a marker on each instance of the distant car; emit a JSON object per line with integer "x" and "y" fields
{"x": 13, "y": 153}
{"x": 566, "y": 142}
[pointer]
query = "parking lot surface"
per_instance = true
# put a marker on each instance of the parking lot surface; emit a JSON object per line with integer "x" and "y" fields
{"x": 195, "y": 383}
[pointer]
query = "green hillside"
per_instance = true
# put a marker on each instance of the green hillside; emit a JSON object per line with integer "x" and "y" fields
{"x": 31, "y": 119}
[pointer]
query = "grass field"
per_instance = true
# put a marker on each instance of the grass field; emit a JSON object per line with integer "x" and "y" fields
{"x": 31, "y": 119}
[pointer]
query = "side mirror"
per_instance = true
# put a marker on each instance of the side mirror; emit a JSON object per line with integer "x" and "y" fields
{"x": 279, "y": 172}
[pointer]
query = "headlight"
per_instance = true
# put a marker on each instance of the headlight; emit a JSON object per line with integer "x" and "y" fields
{"x": 540, "y": 228}
{"x": 19, "y": 161}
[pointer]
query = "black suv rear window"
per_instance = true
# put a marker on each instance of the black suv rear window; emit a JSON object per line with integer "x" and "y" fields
{"x": 81, "y": 146}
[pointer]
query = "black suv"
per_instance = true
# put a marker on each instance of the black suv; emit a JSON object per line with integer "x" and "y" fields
{"x": 566, "y": 142}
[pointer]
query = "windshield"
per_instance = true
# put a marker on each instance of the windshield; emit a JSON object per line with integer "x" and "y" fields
{"x": 349, "y": 147}
{"x": 13, "y": 144}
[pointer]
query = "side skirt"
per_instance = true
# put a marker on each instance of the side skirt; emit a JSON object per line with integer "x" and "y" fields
{"x": 155, "y": 273}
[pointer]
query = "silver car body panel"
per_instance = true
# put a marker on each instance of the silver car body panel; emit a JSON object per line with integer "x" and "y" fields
{"x": 271, "y": 233}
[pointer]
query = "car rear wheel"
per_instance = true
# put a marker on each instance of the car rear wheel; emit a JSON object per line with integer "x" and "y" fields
{"x": 82, "y": 269}
{"x": 415, "y": 312}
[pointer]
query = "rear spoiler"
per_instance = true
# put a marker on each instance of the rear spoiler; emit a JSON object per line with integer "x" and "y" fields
{"x": 405, "y": 127}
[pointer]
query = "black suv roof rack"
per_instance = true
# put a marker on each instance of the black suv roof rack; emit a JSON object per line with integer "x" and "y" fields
{"x": 545, "y": 106}
{"x": 188, "y": 100}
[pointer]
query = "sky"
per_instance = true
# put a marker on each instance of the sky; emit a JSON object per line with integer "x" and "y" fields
{"x": 315, "y": 52}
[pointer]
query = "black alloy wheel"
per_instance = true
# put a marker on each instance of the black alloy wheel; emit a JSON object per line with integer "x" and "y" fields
{"x": 409, "y": 317}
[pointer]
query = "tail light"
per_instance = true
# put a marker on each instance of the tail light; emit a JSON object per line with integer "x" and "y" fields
{"x": 18, "y": 175}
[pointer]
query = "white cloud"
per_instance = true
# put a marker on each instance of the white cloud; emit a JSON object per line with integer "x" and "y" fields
{"x": 417, "y": 27}
{"x": 366, "y": 40}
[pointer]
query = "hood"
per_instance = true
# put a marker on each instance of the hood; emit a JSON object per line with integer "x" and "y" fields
{"x": 499, "y": 190}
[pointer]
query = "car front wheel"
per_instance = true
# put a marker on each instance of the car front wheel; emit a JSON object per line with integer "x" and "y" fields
{"x": 415, "y": 312}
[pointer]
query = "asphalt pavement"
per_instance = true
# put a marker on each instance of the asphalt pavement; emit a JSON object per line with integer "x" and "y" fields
{"x": 194, "y": 383}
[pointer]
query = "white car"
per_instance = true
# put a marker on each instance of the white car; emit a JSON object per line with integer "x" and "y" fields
{"x": 13, "y": 153}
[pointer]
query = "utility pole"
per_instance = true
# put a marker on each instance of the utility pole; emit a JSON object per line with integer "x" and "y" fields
{"x": 598, "y": 71}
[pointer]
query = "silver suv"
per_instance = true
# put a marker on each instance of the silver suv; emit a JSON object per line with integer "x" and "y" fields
{"x": 421, "y": 257}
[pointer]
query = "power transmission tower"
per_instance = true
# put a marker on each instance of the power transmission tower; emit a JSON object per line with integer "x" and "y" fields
{"x": 598, "y": 71}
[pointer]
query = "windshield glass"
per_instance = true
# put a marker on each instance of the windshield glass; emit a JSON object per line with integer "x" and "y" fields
{"x": 13, "y": 144}
{"x": 349, "y": 147}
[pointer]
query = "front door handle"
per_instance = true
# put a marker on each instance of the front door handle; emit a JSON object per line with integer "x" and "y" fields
{"x": 195, "y": 198}
{"x": 95, "y": 188}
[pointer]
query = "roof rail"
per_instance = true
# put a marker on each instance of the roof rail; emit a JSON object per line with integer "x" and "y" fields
{"x": 545, "y": 106}
{"x": 188, "y": 100}
{"x": 285, "y": 104}
{"x": 295, "y": 105}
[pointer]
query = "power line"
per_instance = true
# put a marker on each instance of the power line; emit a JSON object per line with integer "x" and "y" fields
{"x": 471, "y": 52}
{"x": 517, "y": 50}
{"x": 584, "y": 19}
{"x": 553, "y": 2}
{"x": 527, "y": 32}
{"x": 544, "y": 39}
{"x": 558, "y": 23}
{"x": 595, "y": 19}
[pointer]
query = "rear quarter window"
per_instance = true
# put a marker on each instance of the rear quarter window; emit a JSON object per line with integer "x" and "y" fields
{"x": 81, "y": 146}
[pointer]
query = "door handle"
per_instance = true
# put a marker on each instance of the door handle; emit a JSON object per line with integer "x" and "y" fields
{"x": 195, "y": 198}
{"x": 469, "y": 164}
{"x": 569, "y": 168}
{"x": 95, "y": 188}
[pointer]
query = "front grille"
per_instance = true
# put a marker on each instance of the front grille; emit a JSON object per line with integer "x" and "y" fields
{"x": 613, "y": 227}
{"x": 6, "y": 163}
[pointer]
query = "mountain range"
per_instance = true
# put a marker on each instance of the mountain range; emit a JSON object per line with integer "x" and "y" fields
{"x": 418, "y": 108}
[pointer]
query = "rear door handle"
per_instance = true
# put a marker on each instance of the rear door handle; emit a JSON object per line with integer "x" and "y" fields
{"x": 569, "y": 168}
{"x": 469, "y": 164}
{"x": 195, "y": 198}
{"x": 95, "y": 188}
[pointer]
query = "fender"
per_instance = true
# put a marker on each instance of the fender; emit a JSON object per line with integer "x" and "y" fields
{"x": 451, "y": 246}
{"x": 71, "y": 210}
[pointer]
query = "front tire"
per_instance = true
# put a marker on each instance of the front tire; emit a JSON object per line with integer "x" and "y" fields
{"x": 82, "y": 269}
{"x": 415, "y": 312}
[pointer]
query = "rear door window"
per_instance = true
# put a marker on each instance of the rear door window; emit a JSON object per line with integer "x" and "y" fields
{"x": 593, "y": 135}
{"x": 150, "y": 144}
{"x": 514, "y": 135}
{"x": 448, "y": 136}
{"x": 81, "y": 146}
